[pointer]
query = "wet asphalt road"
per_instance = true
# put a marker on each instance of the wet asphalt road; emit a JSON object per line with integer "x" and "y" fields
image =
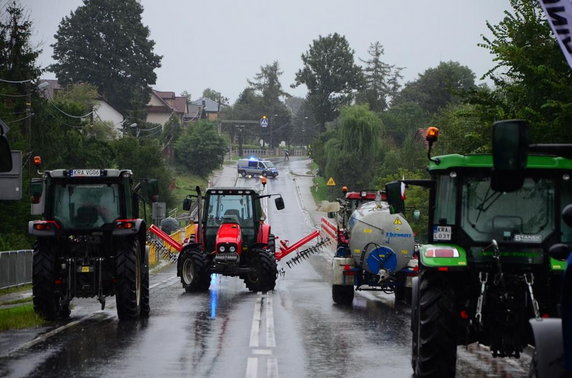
{"x": 294, "y": 331}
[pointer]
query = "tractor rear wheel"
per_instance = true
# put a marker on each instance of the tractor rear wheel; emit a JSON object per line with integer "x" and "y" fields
{"x": 194, "y": 274}
{"x": 343, "y": 294}
{"x": 263, "y": 276}
{"x": 47, "y": 303}
{"x": 129, "y": 281}
{"x": 435, "y": 345}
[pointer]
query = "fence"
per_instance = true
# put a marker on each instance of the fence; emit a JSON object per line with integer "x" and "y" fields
{"x": 15, "y": 268}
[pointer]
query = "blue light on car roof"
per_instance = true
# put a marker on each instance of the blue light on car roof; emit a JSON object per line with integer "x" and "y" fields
{"x": 253, "y": 158}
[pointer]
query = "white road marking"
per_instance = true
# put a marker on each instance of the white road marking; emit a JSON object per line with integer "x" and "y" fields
{"x": 272, "y": 368}
{"x": 252, "y": 367}
{"x": 263, "y": 303}
{"x": 256, "y": 320}
{"x": 270, "y": 339}
{"x": 262, "y": 352}
{"x": 167, "y": 282}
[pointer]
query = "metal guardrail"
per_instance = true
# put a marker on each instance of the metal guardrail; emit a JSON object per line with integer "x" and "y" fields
{"x": 15, "y": 268}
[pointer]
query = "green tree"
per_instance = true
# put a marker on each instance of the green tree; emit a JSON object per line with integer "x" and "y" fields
{"x": 531, "y": 76}
{"x": 438, "y": 87}
{"x": 353, "y": 153}
{"x": 144, "y": 157}
{"x": 215, "y": 96}
{"x": 381, "y": 80}
{"x": 266, "y": 84}
{"x": 331, "y": 76}
{"x": 104, "y": 43}
{"x": 200, "y": 149}
{"x": 18, "y": 70}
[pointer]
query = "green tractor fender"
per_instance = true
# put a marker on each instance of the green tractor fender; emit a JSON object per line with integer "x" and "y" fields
{"x": 443, "y": 256}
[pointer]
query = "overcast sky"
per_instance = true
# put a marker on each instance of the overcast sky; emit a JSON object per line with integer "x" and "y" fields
{"x": 220, "y": 44}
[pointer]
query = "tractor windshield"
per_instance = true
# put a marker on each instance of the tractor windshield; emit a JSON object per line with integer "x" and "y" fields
{"x": 84, "y": 206}
{"x": 523, "y": 216}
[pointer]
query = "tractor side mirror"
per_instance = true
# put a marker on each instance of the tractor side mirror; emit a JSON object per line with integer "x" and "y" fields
{"x": 279, "y": 203}
{"x": 187, "y": 204}
{"x": 394, "y": 197}
{"x": 5, "y": 155}
{"x": 559, "y": 251}
{"x": 510, "y": 155}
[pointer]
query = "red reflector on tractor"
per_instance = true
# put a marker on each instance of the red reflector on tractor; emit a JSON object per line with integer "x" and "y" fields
{"x": 45, "y": 225}
{"x": 58, "y": 282}
{"x": 442, "y": 252}
{"x": 443, "y": 268}
{"x": 464, "y": 315}
{"x": 125, "y": 224}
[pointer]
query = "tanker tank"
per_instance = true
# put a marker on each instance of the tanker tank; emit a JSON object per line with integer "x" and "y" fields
{"x": 379, "y": 241}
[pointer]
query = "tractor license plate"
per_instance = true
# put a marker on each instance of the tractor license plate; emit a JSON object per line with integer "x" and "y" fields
{"x": 85, "y": 173}
{"x": 86, "y": 269}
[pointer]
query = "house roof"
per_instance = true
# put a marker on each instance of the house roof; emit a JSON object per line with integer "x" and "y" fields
{"x": 171, "y": 103}
{"x": 210, "y": 105}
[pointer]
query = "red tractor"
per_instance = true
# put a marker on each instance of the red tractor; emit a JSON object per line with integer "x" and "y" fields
{"x": 231, "y": 239}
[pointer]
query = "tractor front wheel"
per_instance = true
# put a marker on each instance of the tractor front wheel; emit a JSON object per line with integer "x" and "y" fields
{"x": 434, "y": 344}
{"x": 263, "y": 276}
{"x": 194, "y": 274}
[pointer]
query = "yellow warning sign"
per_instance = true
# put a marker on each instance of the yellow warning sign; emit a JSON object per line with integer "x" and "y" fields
{"x": 397, "y": 221}
{"x": 331, "y": 182}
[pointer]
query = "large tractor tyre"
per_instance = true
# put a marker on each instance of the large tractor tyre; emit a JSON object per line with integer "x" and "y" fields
{"x": 414, "y": 322}
{"x": 402, "y": 292}
{"x": 145, "y": 308}
{"x": 263, "y": 278}
{"x": 194, "y": 274}
{"x": 435, "y": 353}
{"x": 46, "y": 302}
{"x": 129, "y": 281}
{"x": 343, "y": 294}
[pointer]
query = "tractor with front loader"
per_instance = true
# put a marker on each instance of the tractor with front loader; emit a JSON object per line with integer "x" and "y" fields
{"x": 486, "y": 269}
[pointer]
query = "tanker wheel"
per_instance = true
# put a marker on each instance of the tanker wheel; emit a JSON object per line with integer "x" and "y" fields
{"x": 343, "y": 294}
{"x": 435, "y": 349}
{"x": 263, "y": 276}
{"x": 128, "y": 269}
{"x": 46, "y": 302}
{"x": 145, "y": 308}
{"x": 194, "y": 275}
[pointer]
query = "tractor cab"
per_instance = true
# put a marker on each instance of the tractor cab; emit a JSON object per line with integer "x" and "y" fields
{"x": 231, "y": 206}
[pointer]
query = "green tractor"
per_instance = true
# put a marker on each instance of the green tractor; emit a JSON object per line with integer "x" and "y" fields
{"x": 90, "y": 241}
{"x": 486, "y": 269}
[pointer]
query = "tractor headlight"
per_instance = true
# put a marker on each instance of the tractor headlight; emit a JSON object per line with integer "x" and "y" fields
{"x": 221, "y": 248}
{"x": 232, "y": 248}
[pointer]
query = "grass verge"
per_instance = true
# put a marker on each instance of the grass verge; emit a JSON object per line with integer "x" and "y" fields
{"x": 19, "y": 317}
{"x": 16, "y": 289}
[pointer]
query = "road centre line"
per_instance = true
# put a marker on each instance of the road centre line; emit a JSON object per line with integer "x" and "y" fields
{"x": 270, "y": 339}
{"x": 255, "y": 327}
{"x": 252, "y": 367}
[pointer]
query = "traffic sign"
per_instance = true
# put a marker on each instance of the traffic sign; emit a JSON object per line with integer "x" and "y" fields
{"x": 331, "y": 182}
{"x": 263, "y": 122}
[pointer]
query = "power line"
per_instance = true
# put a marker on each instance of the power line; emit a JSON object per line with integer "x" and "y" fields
{"x": 71, "y": 115}
{"x": 16, "y": 81}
